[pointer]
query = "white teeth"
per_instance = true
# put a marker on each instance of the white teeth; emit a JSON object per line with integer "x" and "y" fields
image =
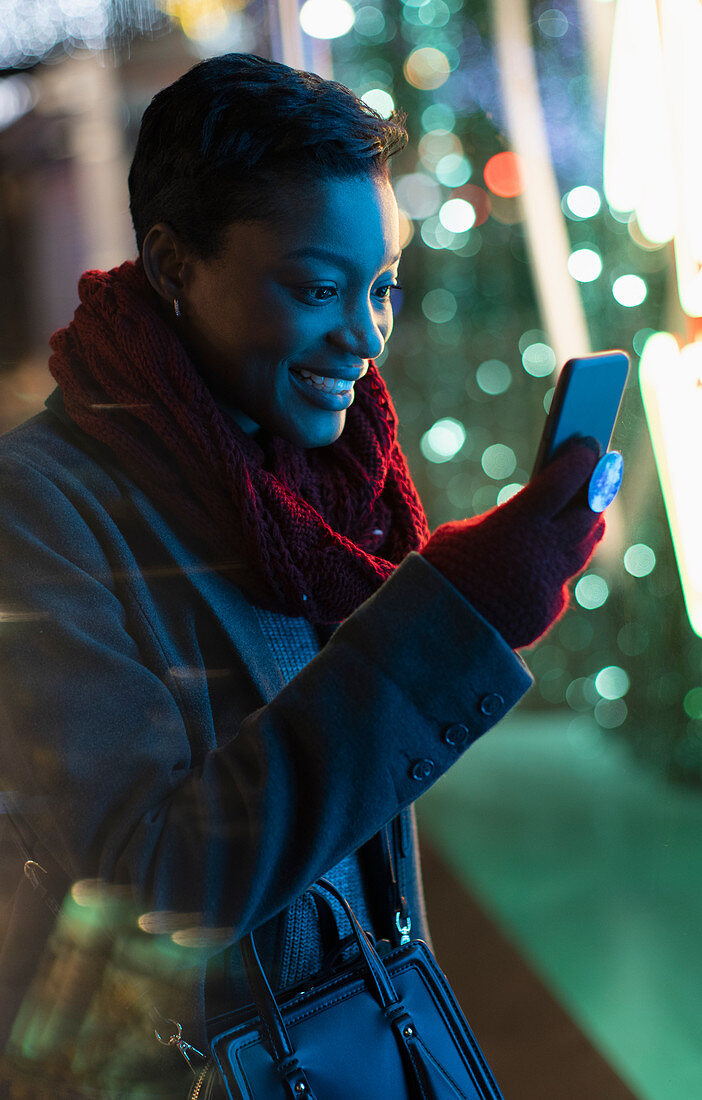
{"x": 327, "y": 385}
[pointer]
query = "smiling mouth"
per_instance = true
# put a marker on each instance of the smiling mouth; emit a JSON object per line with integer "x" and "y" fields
{"x": 323, "y": 383}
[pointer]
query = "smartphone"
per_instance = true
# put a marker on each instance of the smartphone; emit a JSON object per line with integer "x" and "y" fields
{"x": 585, "y": 403}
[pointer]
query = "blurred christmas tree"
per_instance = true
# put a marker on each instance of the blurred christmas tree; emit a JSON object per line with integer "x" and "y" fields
{"x": 472, "y": 366}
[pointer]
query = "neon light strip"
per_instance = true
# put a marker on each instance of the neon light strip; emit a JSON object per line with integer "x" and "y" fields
{"x": 671, "y": 386}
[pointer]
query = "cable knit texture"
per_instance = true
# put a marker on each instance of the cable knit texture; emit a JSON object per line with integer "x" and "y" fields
{"x": 321, "y": 528}
{"x": 513, "y": 563}
{"x": 293, "y": 643}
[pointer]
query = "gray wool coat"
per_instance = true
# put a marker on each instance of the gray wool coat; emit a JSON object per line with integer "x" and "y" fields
{"x": 154, "y": 752}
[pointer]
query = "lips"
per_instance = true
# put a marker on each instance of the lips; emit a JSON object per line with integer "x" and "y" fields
{"x": 325, "y": 383}
{"x": 350, "y": 373}
{"x": 333, "y": 390}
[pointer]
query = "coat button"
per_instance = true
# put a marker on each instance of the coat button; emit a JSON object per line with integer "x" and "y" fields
{"x": 422, "y": 769}
{"x": 456, "y": 735}
{"x": 492, "y": 704}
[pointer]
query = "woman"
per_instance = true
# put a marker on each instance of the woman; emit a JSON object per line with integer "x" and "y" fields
{"x": 215, "y": 485}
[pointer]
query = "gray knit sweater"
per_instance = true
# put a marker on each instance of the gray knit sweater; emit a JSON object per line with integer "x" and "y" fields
{"x": 293, "y": 643}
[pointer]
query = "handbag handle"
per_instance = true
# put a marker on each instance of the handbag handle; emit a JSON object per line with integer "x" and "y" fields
{"x": 261, "y": 990}
{"x": 377, "y": 976}
{"x": 293, "y": 1076}
{"x": 378, "y": 982}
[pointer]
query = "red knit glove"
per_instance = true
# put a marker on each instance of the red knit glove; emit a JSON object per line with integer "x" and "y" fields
{"x": 513, "y": 562}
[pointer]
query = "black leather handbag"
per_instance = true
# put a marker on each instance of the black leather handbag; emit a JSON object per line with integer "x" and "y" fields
{"x": 385, "y": 1026}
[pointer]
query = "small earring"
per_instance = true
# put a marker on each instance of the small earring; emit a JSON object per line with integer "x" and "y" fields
{"x": 176, "y": 307}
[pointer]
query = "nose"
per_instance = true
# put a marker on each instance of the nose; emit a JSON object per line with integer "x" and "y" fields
{"x": 363, "y": 331}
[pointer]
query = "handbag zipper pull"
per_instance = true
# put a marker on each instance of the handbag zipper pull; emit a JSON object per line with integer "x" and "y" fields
{"x": 403, "y": 921}
{"x": 176, "y": 1040}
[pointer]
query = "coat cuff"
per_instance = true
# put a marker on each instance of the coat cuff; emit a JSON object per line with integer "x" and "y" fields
{"x": 458, "y": 672}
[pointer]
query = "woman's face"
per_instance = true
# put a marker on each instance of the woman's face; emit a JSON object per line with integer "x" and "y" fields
{"x": 284, "y": 321}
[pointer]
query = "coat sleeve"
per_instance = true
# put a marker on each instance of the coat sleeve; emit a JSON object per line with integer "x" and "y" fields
{"x": 98, "y": 742}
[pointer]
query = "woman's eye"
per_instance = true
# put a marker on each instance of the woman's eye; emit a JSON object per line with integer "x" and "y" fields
{"x": 384, "y": 292}
{"x": 319, "y": 293}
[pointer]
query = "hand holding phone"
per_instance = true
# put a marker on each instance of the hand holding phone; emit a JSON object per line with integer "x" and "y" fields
{"x": 585, "y": 406}
{"x": 514, "y": 562}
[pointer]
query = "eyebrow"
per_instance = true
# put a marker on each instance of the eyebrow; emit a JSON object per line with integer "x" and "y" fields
{"x": 326, "y": 254}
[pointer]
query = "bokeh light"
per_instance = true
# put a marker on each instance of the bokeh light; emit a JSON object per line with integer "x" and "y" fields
{"x": 612, "y": 682}
{"x": 585, "y": 265}
{"x": 503, "y": 175}
{"x": 498, "y": 461}
{"x": 591, "y": 591}
{"x": 369, "y": 21}
{"x": 326, "y": 18}
{"x": 478, "y": 199}
{"x": 380, "y": 100}
{"x": 693, "y": 702}
{"x": 205, "y": 22}
{"x": 439, "y": 306}
{"x": 426, "y": 68}
{"x": 583, "y": 202}
{"x": 435, "y": 235}
{"x": 433, "y": 13}
{"x": 641, "y": 241}
{"x": 629, "y": 290}
{"x": 453, "y": 170}
{"x": 406, "y": 229}
{"x": 610, "y": 713}
{"x": 553, "y": 23}
{"x": 437, "y": 144}
{"x": 581, "y": 694}
{"x": 457, "y": 215}
{"x": 531, "y": 336}
{"x": 639, "y": 341}
{"x": 639, "y": 560}
{"x": 538, "y": 359}
{"x": 443, "y": 440}
{"x": 493, "y": 376}
{"x": 418, "y": 194}
{"x": 508, "y": 491}
{"x": 439, "y": 116}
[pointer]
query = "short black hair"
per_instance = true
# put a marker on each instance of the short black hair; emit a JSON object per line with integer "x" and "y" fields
{"x": 215, "y": 145}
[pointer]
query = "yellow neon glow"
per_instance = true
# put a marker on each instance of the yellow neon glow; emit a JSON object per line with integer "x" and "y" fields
{"x": 638, "y": 162}
{"x": 671, "y": 386}
{"x": 201, "y": 18}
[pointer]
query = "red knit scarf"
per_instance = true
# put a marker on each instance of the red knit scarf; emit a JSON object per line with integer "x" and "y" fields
{"x": 320, "y": 529}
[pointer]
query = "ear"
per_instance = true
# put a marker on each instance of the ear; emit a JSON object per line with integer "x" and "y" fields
{"x": 164, "y": 257}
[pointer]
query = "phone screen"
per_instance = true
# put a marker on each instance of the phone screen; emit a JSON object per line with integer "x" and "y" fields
{"x": 585, "y": 403}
